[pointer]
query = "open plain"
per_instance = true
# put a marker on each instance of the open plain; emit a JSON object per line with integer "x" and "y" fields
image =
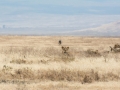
{"x": 39, "y": 63}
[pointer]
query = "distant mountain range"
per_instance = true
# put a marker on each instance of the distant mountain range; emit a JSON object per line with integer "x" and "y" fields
{"x": 111, "y": 29}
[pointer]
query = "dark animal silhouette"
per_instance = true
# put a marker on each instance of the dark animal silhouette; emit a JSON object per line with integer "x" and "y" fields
{"x": 60, "y": 42}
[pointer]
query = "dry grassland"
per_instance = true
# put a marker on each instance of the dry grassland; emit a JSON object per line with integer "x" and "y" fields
{"x": 37, "y": 63}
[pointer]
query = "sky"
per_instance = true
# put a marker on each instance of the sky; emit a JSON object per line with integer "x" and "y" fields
{"x": 58, "y": 15}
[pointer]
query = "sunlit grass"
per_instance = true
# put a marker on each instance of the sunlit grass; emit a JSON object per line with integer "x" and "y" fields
{"x": 35, "y": 59}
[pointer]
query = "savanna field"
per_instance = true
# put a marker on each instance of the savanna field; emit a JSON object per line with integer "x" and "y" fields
{"x": 40, "y": 63}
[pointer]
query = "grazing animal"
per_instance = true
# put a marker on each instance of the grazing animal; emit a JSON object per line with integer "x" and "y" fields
{"x": 114, "y": 49}
{"x": 60, "y": 42}
{"x": 116, "y": 46}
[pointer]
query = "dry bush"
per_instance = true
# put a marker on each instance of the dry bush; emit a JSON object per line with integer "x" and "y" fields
{"x": 6, "y": 69}
{"x": 53, "y": 75}
{"x": 54, "y": 53}
{"x": 22, "y": 51}
{"x": 29, "y": 75}
{"x": 57, "y": 54}
{"x": 51, "y": 51}
{"x": 19, "y": 61}
{"x": 92, "y": 53}
{"x": 21, "y": 86}
{"x": 44, "y": 52}
{"x": 65, "y": 58}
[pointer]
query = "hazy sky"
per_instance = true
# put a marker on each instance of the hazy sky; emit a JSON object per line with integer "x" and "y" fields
{"x": 58, "y": 14}
{"x": 64, "y": 7}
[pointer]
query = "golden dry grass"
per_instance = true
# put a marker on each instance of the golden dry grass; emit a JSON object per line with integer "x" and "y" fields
{"x": 37, "y": 63}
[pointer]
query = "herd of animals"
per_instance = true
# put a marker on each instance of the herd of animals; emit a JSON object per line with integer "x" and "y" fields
{"x": 114, "y": 49}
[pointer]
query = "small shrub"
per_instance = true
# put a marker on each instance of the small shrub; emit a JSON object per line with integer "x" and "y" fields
{"x": 87, "y": 79}
{"x": 7, "y": 69}
{"x": 19, "y": 61}
{"x": 92, "y": 53}
{"x": 24, "y": 73}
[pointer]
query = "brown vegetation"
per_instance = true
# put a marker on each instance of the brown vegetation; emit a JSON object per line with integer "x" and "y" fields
{"x": 26, "y": 60}
{"x": 94, "y": 53}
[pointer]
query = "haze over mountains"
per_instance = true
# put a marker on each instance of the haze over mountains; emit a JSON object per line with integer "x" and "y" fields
{"x": 60, "y": 17}
{"x": 110, "y": 29}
